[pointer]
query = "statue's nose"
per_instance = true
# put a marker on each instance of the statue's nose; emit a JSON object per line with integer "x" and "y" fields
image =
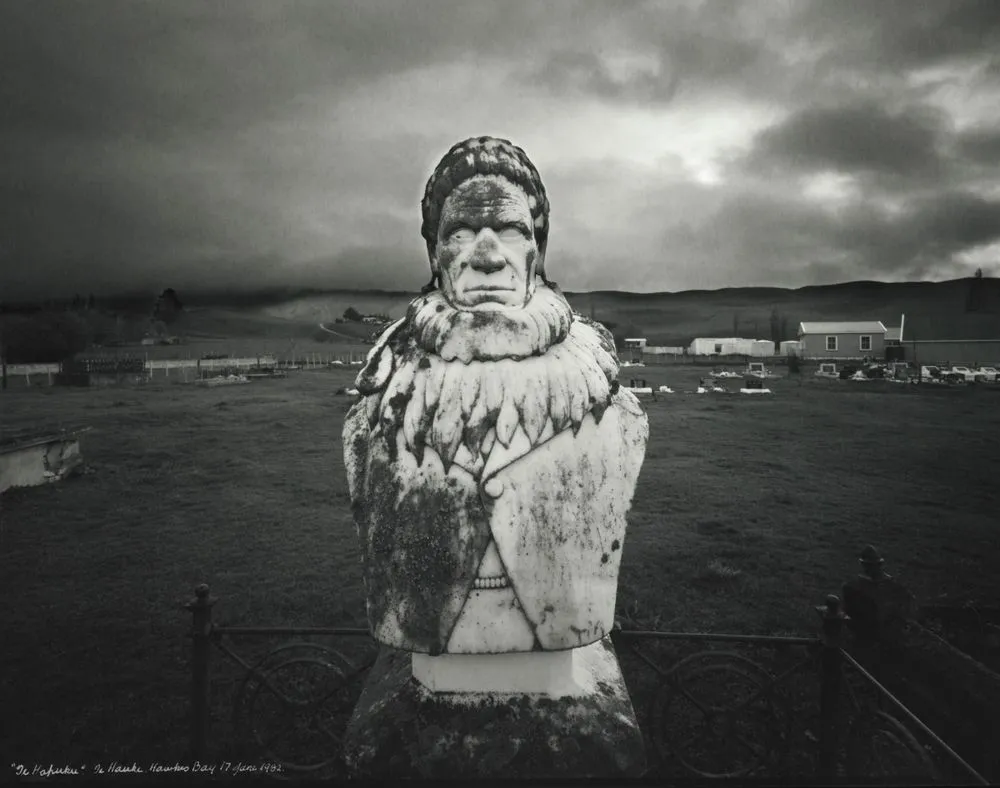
{"x": 486, "y": 255}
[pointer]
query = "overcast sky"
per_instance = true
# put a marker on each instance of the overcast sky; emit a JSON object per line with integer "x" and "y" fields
{"x": 199, "y": 144}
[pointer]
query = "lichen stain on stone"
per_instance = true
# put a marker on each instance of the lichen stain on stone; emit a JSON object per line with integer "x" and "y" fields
{"x": 480, "y": 319}
{"x": 616, "y": 544}
{"x": 423, "y": 551}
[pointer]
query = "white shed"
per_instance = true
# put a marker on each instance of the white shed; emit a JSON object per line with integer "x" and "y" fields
{"x": 707, "y": 346}
{"x": 731, "y": 346}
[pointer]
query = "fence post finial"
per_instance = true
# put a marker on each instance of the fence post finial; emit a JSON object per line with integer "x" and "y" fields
{"x": 871, "y": 565}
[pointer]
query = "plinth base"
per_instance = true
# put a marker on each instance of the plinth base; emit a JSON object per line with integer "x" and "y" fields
{"x": 401, "y": 729}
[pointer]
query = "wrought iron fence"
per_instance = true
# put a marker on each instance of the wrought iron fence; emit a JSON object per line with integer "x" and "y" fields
{"x": 713, "y": 714}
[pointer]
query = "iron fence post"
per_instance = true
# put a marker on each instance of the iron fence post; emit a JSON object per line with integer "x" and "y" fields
{"x": 833, "y": 620}
{"x": 201, "y": 634}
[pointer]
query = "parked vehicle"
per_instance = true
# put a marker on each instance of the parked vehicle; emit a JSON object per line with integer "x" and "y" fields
{"x": 989, "y": 374}
{"x": 898, "y": 370}
{"x": 934, "y": 374}
{"x": 965, "y": 373}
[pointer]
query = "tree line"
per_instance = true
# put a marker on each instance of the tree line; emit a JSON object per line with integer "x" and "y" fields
{"x": 53, "y": 331}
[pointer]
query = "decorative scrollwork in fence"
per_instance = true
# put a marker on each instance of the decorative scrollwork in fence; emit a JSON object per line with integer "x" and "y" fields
{"x": 881, "y": 748}
{"x": 716, "y": 713}
{"x": 719, "y": 715}
{"x": 294, "y": 704}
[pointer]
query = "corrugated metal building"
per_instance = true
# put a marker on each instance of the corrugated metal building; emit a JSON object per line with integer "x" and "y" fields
{"x": 953, "y": 351}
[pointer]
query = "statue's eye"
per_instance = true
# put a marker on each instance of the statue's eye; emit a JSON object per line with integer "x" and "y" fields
{"x": 511, "y": 233}
{"x": 462, "y": 235}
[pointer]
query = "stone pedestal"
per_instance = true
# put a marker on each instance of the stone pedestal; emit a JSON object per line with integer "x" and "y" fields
{"x": 576, "y": 722}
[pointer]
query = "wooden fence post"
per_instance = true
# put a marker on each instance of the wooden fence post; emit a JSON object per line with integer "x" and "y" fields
{"x": 833, "y": 619}
{"x": 201, "y": 637}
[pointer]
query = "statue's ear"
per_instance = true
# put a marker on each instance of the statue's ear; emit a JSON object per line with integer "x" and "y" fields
{"x": 432, "y": 257}
{"x": 540, "y": 262}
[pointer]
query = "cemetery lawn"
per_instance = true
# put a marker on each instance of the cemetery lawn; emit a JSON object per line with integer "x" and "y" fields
{"x": 749, "y": 510}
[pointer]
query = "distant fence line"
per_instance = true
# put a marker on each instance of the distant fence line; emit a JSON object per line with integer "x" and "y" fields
{"x": 312, "y": 360}
{"x": 111, "y": 364}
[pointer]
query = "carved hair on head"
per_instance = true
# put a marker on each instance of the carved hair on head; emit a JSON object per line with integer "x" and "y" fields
{"x": 484, "y": 156}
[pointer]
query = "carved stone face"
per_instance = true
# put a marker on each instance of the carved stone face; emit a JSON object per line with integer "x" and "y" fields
{"x": 486, "y": 253}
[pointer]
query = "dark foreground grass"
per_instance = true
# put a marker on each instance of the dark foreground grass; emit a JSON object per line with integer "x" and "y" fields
{"x": 749, "y": 511}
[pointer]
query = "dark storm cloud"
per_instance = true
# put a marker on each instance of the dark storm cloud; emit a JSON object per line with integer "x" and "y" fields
{"x": 863, "y": 240}
{"x": 153, "y": 142}
{"x": 860, "y": 137}
{"x": 980, "y": 145}
{"x": 162, "y": 68}
{"x": 901, "y": 34}
{"x": 683, "y": 47}
{"x": 768, "y": 51}
{"x": 955, "y": 220}
{"x": 142, "y": 134}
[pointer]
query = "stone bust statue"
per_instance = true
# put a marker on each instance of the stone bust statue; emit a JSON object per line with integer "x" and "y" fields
{"x": 492, "y": 457}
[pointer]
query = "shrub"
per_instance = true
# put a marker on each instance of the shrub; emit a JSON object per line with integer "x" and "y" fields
{"x": 43, "y": 337}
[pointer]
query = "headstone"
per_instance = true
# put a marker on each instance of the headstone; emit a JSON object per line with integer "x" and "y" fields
{"x": 491, "y": 462}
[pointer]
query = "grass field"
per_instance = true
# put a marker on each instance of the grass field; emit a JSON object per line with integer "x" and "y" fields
{"x": 749, "y": 510}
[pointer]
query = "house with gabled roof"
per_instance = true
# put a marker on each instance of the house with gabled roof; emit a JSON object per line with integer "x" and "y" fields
{"x": 842, "y": 339}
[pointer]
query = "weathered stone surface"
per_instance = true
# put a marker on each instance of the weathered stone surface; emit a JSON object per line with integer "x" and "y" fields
{"x": 491, "y": 463}
{"x": 559, "y": 524}
{"x": 544, "y": 441}
{"x": 399, "y": 729}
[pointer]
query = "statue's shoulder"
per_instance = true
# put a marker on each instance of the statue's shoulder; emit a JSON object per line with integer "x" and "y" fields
{"x": 628, "y": 402}
{"x": 381, "y": 360}
{"x": 603, "y": 336}
{"x": 596, "y": 341}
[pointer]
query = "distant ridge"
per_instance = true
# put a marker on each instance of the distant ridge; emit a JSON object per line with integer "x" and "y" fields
{"x": 967, "y": 308}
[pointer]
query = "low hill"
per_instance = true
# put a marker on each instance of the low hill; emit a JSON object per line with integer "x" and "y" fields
{"x": 212, "y": 322}
{"x": 956, "y": 309}
{"x": 934, "y": 310}
{"x": 327, "y": 307}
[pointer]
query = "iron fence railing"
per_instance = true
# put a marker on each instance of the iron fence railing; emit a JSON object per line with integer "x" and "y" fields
{"x": 713, "y": 714}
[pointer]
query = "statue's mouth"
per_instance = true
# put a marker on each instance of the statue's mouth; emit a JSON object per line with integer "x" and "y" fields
{"x": 491, "y": 582}
{"x": 490, "y": 289}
